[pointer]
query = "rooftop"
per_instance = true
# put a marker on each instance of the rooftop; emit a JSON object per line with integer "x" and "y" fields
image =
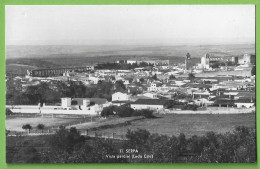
{"x": 151, "y": 101}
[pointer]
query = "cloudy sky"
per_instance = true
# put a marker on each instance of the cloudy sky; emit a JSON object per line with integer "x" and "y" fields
{"x": 113, "y": 25}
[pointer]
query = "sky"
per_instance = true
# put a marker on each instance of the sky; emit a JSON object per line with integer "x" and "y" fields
{"x": 130, "y": 25}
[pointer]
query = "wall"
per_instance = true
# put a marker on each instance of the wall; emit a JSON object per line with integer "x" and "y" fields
{"x": 247, "y": 105}
{"x": 52, "y": 110}
{"x": 141, "y": 106}
{"x": 212, "y": 110}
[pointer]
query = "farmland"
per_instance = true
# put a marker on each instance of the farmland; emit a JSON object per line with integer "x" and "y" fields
{"x": 196, "y": 124}
{"x": 169, "y": 124}
{"x": 16, "y": 123}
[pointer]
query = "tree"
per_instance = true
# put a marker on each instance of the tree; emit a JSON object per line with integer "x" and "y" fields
{"x": 65, "y": 140}
{"x": 40, "y": 127}
{"x": 135, "y": 91}
{"x": 138, "y": 138}
{"x": 8, "y": 111}
{"x": 27, "y": 127}
{"x": 108, "y": 111}
{"x": 120, "y": 87}
{"x": 253, "y": 71}
{"x": 171, "y": 77}
{"x": 124, "y": 111}
{"x": 182, "y": 143}
{"x": 146, "y": 113}
{"x": 191, "y": 76}
{"x": 141, "y": 80}
{"x": 154, "y": 77}
{"x": 7, "y": 132}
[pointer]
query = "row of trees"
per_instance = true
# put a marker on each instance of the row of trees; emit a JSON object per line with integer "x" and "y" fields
{"x": 28, "y": 127}
{"x": 51, "y": 93}
{"x": 121, "y": 66}
{"x": 126, "y": 111}
{"x": 68, "y": 146}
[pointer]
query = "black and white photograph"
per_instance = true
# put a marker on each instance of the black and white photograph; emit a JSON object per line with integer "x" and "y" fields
{"x": 130, "y": 84}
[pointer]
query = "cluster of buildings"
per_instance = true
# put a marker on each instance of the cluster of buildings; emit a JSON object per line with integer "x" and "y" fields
{"x": 151, "y": 61}
{"x": 159, "y": 87}
{"x": 209, "y": 59}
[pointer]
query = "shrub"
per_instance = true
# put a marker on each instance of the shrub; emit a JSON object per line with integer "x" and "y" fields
{"x": 136, "y": 113}
{"x": 27, "y": 155}
{"x": 189, "y": 107}
{"x": 65, "y": 140}
{"x": 124, "y": 111}
{"x": 147, "y": 113}
{"x": 8, "y": 111}
{"x": 108, "y": 111}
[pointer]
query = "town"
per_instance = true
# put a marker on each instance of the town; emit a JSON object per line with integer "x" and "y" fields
{"x": 130, "y": 83}
{"x": 217, "y": 85}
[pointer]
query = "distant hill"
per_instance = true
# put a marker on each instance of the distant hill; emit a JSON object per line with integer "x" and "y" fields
{"x": 117, "y": 50}
{"x": 69, "y": 56}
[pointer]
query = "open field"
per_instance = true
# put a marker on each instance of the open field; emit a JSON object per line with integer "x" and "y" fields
{"x": 16, "y": 123}
{"x": 108, "y": 123}
{"x": 174, "y": 124}
{"x": 169, "y": 124}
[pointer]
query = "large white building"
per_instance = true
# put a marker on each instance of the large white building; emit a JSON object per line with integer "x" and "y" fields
{"x": 119, "y": 96}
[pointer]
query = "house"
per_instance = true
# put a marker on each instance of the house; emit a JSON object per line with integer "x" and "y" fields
{"x": 247, "y": 103}
{"x": 154, "y": 104}
{"x": 245, "y": 94}
{"x": 95, "y": 79}
{"x": 155, "y": 86}
{"x": 179, "y": 82}
{"x": 99, "y": 101}
{"x": 203, "y": 102}
{"x": 151, "y": 95}
{"x": 119, "y": 96}
{"x": 73, "y": 106}
{"x": 201, "y": 94}
{"x": 223, "y": 102}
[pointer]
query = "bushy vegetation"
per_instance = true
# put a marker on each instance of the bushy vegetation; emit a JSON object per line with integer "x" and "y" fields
{"x": 27, "y": 155}
{"x": 190, "y": 107}
{"x": 68, "y": 146}
{"x": 65, "y": 140}
{"x": 253, "y": 71}
{"x": 107, "y": 111}
{"x": 8, "y": 111}
{"x": 46, "y": 93}
{"x": 121, "y": 66}
{"x": 144, "y": 112}
{"x": 126, "y": 111}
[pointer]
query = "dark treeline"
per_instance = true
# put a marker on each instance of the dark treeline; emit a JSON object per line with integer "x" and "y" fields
{"x": 121, "y": 66}
{"x": 126, "y": 111}
{"x": 51, "y": 93}
{"x": 68, "y": 146}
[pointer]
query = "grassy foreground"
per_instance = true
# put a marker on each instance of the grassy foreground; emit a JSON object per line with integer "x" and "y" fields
{"x": 196, "y": 124}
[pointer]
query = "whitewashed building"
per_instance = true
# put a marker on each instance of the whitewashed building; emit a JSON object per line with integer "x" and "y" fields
{"x": 119, "y": 96}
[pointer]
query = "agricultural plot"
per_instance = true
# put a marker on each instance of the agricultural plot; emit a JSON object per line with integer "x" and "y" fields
{"x": 16, "y": 123}
{"x": 174, "y": 124}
